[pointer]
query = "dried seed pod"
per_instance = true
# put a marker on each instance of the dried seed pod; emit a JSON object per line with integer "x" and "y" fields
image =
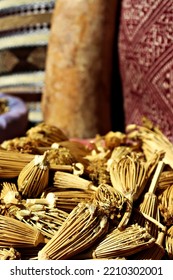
{"x": 33, "y": 178}
{"x": 9, "y": 193}
{"x": 9, "y": 254}
{"x": 169, "y": 242}
{"x": 118, "y": 243}
{"x": 84, "y": 225}
{"x": 14, "y": 233}
{"x": 165, "y": 199}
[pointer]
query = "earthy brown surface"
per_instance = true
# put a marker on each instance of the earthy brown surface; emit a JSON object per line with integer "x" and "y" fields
{"x": 78, "y": 67}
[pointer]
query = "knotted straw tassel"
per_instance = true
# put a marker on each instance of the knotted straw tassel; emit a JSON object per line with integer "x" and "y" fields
{"x": 33, "y": 178}
{"x": 14, "y": 233}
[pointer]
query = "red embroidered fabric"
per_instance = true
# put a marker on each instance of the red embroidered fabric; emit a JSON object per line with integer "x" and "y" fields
{"x": 146, "y": 61}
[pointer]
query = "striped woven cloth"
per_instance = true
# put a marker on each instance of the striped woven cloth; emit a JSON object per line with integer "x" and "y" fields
{"x": 24, "y": 33}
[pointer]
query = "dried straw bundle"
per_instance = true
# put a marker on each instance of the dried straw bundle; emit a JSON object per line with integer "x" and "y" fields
{"x": 84, "y": 225}
{"x": 152, "y": 140}
{"x": 9, "y": 254}
{"x": 68, "y": 199}
{"x": 9, "y": 193}
{"x": 129, "y": 176}
{"x": 156, "y": 252}
{"x": 63, "y": 180}
{"x": 149, "y": 204}
{"x": 165, "y": 198}
{"x": 14, "y": 233}
{"x": 34, "y": 177}
{"x": 11, "y": 163}
{"x": 118, "y": 243}
{"x": 169, "y": 242}
{"x": 46, "y": 134}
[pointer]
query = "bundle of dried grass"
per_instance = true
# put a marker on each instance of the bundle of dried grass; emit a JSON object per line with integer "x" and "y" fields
{"x": 169, "y": 242}
{"x": 64, "y": 180}
{"x": 34, "y": 177}
{"x": 165, "y": 199}
{"x": 114, "y": 139}
{"x": 129, "y": 176}
{"x": 9, "y": 193}
{"x": 152, "y": 140}
{"x": 84, "y": 226}
{"x": 9, "y": 254}
{"x": 11, "y": 163}
{"x": 14, "y": 233}
{"x": 45, "y": 135}
{"x": 124, "y": 243}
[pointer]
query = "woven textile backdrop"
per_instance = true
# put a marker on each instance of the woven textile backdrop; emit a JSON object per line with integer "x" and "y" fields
{"x": 146, "y": 61}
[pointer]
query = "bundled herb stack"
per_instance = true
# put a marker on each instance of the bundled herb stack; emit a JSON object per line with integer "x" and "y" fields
{"x": 63, "y": 199}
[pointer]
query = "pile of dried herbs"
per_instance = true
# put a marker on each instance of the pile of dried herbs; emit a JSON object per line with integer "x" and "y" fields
{"x": 108, "y": 199}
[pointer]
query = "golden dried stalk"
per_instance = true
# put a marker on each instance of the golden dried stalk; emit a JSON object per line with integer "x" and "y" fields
{"x": 63, "y": 180}
{"x": 14, "y": 233}
{"x": 46, "y": 134}
{"x": 165, "y": 199}
{"x": 9, "y": 193}
{"x": 84, "y": 225}
{"x": 114, "y": 139}
{"x": 169, "y": 242}
{"x": 9, "y": 254}
{"x": 118, "y": 243}
{"x": 34, "y": 177}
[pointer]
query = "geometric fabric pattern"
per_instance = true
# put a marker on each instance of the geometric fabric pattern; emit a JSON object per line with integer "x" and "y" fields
{"x": 24, "y": 33}
{"x": 146, "y": 61}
